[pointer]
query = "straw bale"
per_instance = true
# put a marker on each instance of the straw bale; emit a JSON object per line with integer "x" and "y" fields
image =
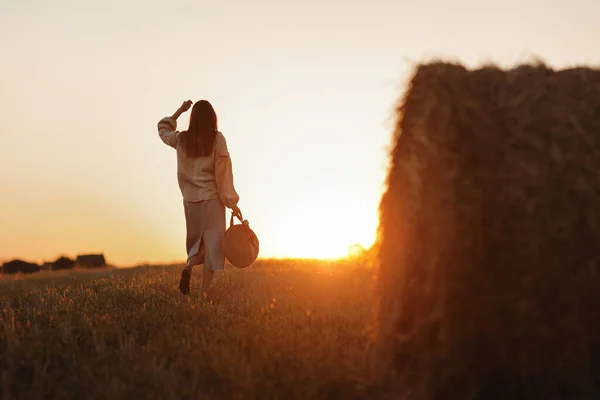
{"x": 489, "y": 237}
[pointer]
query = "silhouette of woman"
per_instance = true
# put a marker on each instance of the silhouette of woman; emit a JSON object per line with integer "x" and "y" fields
{"x": 205, "y": 177}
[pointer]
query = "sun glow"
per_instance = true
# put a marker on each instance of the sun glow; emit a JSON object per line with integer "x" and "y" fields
{"x": 319, "y": 235}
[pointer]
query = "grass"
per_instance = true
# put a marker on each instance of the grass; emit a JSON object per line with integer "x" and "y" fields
{"x": 286, "y": 330}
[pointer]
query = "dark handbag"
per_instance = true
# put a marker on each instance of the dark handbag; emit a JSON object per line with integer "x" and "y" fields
{"x": 240, "y": 244}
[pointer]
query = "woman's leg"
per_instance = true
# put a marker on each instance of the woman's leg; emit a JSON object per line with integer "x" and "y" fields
{"x": 184, "y": 282}
{"x": 186, "y": 274}
{"x": 197, "y": 259}
{"x": 207, "y": 276}
{"x": 214, "y": 223}
{"x": 194, "y": 243}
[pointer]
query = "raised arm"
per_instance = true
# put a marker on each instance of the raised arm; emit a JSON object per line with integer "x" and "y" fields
{"x": 224, "y": 174}
{"x": 167, "y": 127}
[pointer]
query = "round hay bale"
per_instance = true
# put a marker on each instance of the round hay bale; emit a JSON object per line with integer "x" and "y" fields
{"x": 488, "y": 283}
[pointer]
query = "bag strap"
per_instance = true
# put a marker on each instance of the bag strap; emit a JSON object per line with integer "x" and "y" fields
{"x": 241, "y": 218}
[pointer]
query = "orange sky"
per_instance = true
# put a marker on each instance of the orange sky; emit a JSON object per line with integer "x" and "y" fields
{"x": 304, "y": 91}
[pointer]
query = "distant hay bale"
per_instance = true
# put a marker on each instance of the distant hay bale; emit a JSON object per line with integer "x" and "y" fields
{"x": 63, "y": 262}
{"x": 19, "y": 266}
{"x": 489, "y": 237}
{"x": 90, "y": 261}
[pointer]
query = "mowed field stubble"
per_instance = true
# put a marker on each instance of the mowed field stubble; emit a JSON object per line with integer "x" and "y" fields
{"x": 281, "y": 329}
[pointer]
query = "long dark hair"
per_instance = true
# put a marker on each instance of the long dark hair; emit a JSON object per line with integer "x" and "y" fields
{"x": 199, "y": 139}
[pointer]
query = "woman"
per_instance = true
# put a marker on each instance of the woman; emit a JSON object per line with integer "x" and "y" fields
{"x": 205, "y": 178}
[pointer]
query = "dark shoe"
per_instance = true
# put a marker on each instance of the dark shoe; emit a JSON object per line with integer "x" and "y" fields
{"x": 184, "y": 283}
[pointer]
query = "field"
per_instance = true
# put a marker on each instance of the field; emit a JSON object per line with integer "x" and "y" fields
{"x": 277, "y": 330}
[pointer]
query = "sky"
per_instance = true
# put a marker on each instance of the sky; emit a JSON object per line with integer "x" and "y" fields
{"x": 305, "y": 93}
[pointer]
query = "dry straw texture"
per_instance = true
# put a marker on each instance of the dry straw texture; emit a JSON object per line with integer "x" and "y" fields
{"x": 489, "y": 236}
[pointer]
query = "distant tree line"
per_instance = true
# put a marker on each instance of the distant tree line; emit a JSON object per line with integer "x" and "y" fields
{"x": 61, "y": 263}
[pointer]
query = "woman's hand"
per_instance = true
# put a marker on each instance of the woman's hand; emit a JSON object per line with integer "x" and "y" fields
{"x": 235, "y": 210}
{"x": 183, "y": 108}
